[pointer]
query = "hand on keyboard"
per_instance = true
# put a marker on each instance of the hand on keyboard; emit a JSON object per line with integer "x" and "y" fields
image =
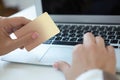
{"x": 92, "y": 54}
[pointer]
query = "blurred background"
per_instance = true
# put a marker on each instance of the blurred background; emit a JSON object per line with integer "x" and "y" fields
{"x": 9, "y": 7}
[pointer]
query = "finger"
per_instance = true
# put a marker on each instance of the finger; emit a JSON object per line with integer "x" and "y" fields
{"x": 25, "y": 39}
{"x": 111, "y": 50}
{"x": 62, "y": 66}
{"x": 77, "y": 50}
{"x": 89, "y": 39}
{"x": 77, "y": 47}
{"x": 1, "y": 17}
{"x": 18, "y": 21}
{"x": 100, "y": 42}
{"x": 112, "y": 56}
{"x": 15, "y": 23}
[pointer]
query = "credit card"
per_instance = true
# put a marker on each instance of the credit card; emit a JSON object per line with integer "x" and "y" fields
{"x": 44, "y": 25}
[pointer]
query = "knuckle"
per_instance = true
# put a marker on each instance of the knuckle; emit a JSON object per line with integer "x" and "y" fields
{"x": 8, "y": 43}
{"x": 88, "y": 33}
{"x": 110, "y": 48}
{"x": 91, "y": 47}
{"x": 21, "y": 18}
{"x": 99, "y": 37}
{"x": 77, "y": 49}
{"x": 78, "y": 46}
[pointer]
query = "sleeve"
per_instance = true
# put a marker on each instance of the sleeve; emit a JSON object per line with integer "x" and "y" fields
{"x": 96, "y": 74}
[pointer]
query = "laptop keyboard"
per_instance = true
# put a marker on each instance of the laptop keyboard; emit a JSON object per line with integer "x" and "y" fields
{"x": 72, "y": 34}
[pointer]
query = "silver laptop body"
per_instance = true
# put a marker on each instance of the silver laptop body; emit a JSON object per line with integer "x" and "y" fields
{"x": 70, "y": 16}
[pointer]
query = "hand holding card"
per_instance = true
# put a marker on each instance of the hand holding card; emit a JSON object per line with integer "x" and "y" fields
{"x": 44, "y": 25}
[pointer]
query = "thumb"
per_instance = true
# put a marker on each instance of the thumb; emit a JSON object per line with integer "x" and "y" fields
{"x": 20, "y": 42}
{"x": 62, "y": 66}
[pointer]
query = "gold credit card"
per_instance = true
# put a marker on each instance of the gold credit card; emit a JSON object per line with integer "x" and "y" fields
{"x": 44, "y": 25}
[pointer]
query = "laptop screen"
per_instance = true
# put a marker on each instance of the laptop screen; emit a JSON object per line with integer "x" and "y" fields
{"x": 81, "y": 7}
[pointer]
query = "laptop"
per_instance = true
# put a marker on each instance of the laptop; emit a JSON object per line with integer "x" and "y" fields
{"x": 74, "y": 18}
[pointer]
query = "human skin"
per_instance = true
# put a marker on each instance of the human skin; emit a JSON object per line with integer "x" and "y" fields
{"x": 92, "y": 54}
{"x": 9, "y": 26}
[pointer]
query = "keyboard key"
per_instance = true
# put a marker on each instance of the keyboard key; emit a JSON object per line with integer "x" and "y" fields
{"x": 118, "y": 33}
{"x": 64, "y": 35}
{"x": 80, "y": 40}
{"x": 72, "y": 35}
{"x": 115, "y": 46}
{"x": 116, "y": 28}
{"x": 65, "y": 27}
{"x": 72, "y": 27}
{"x": 107, "y": 41}
{"x": 79, "y": 35}
{"x": 79, "y": 28}
{"x": 104, "y": 37}
{"x": 111, "y": 37}
{"x": 96, "y": 33}
{"x": 60, "y": 26}
{"x": 73, "y": 39}
{"x": 93, "y": 28}
{"x": 58, "y": 38}
{"x": 102, "y": 32}
{"x": 111, "y": 33}
{"x": 65, "y": 31}
{"x": 110, "y": 28}
{"x": 86, "y": 28}
{"x": 118, "y": 37}
{"x": 114, "y": 41}
{"x": 72, "y": 31}
{"x": 79, "y": 32}
{"x": 101, "y": 28}
{"x": 65, "y": 39}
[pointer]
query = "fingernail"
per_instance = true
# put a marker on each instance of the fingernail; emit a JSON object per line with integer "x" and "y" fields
{"x": 35, "y": 35}
{"x": 87, "y": 34}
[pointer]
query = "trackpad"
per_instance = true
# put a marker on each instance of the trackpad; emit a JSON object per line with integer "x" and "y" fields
{"x": 55, "y": 54}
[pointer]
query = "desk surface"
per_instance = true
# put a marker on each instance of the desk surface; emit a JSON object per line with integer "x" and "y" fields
{"x": 14, "y": 71}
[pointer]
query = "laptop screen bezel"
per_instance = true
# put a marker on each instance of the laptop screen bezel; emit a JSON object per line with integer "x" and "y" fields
{"x": 79, "y": 18}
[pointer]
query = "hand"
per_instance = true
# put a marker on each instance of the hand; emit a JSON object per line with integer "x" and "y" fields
{"x": 92, "y": 54}
{"x": 8, "y": 26}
